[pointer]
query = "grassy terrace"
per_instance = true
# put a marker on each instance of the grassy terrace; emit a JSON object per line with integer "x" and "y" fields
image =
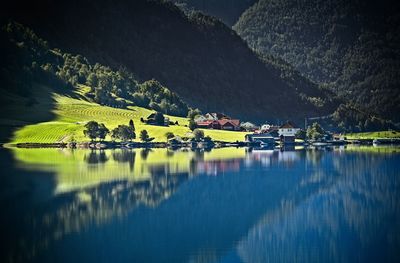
{"x": 71, "y": 114}
{"x": 373, "y": 135}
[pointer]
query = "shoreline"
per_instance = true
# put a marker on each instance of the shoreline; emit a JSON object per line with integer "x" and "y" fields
{"x": 215, "y": 144}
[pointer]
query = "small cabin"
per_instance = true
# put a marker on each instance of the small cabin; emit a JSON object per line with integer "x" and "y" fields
{"x": 287, "y": 133}
{"x": 262, "y": 138}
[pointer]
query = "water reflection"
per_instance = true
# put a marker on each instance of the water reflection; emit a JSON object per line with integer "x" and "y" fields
{"x": 354, "y": 217}
{"x": 163, "y": 205}
{"x": 96, "y": 157}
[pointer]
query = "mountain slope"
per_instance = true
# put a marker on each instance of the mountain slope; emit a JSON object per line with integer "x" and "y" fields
{"x": 48, "y": 96}
{"x": 228, "y": 11}
{"x": 198, "y": 57}
{"x": 350, "y": 46}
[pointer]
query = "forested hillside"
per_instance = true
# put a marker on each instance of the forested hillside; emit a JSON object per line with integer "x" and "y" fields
{"x": 351, "y": 47}
{"x": 49, "y": 96}
{"x": 198, "y": 57}
{"x": 228, "y": 11}
{"x": 28, "y": 61}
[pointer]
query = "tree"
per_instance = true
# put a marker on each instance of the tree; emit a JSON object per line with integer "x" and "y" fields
{"x": 91, "y": 129}
{"x": 144, "y": 136}
{"x": 159, "y": 118}
{"x": 193, "y": 113}
{"x": 169, "y": 135}
{"x": 123, "y": 133}
{"x": 207, "y": 139}
{"x": 102, "y": 131}
{"x": 95, "y": 130}
{"x": 192, "y": 125}
{"x": 92, "y": 80}
{"x": 301, "y": 134}
{"x": 132, "y": 125}
{"x": 315, "y": 132}
{"x": 198, "y": 134}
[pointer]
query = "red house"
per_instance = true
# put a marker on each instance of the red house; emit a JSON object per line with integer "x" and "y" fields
{"x": 231, "y": 125}
{"x": 209, "y": 124}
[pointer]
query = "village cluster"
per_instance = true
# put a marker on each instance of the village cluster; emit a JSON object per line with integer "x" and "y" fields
{"x": 264, "y": 134}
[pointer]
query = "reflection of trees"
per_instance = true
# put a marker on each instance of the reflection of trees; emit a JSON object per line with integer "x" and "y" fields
{"x": 340, "y": 221}
{"x": 75, "y": 211}
{"x": 96, "y": 157}
{"x": 170, "y": 153}
{"x": 144, "y": 153}
{"x": 125, "y": 156}
{"x": 302, "y": 191}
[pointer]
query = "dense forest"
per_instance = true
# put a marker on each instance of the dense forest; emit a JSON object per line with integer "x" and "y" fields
{"x": 28, "y": 61}
{"x": 350, "y": 47}
{"x": 198, "y": 57}
{"x": 228, "y": 11}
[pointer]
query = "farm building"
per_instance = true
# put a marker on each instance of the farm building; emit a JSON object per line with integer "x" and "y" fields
{"x": 287, "y": 133}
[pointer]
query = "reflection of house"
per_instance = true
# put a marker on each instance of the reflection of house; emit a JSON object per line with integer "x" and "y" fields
{"x": 287, "y": 132}
{"x": 217, "y": 167}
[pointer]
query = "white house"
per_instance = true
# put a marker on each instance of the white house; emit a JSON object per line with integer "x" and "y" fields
{"x": 200, "y": 118}
{"x": 287, "y": 132}
{"x": 268, "y": 128}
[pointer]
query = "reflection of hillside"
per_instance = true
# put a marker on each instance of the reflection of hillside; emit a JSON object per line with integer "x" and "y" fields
{"x": 79, "y": 169}
{"x": 276, "y": 203}
{"x": 210, "y": 214}
{"x": 95, "y": 186}
{"x": 75, "y": 211}
{"x": 355, "y": 219}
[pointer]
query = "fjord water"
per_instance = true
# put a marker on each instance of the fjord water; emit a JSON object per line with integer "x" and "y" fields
{"x": 223, "y": 205}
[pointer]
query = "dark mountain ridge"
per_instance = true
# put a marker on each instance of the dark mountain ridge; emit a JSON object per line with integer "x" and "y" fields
{"x": 228, "y": 11}
{"x": 351, "y": 47}
{"x": 198, "y": 57}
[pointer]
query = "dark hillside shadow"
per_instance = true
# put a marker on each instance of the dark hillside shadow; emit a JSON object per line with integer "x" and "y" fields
{"x": 26, "y": 88}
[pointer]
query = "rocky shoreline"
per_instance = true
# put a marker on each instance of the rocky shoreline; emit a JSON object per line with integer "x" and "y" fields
{"x": 129, "y": 145}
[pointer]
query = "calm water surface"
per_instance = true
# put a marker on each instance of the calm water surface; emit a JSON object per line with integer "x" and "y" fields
{"x": 224, "y": 205}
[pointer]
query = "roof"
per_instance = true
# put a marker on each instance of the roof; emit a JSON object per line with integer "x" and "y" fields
{"x": 198, "y": 117}
{"x": 249, "y": 124}
{"x": 217, "y": 115}
{"x": 260, "y": 135}
{"x": 204, "y": 123}
{"x": 232, "y": 122}
{"x": 151, "y": 116}
{"x": 287, "y": 125}
{"x": 207, "y": 122}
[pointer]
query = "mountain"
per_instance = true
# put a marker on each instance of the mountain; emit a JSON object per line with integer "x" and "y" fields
{"x": 351, "y": 47}
{"x": 60, "y": 92}
{"x": 228, "y": 11}
{"x": 198, "y": 57}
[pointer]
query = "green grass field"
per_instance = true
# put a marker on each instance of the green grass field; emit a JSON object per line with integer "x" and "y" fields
{"x": 373, "y": 135}
{"x": 71, "y": 114}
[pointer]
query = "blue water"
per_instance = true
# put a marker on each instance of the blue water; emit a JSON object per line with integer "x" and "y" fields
{"x": 244, "y": 205}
